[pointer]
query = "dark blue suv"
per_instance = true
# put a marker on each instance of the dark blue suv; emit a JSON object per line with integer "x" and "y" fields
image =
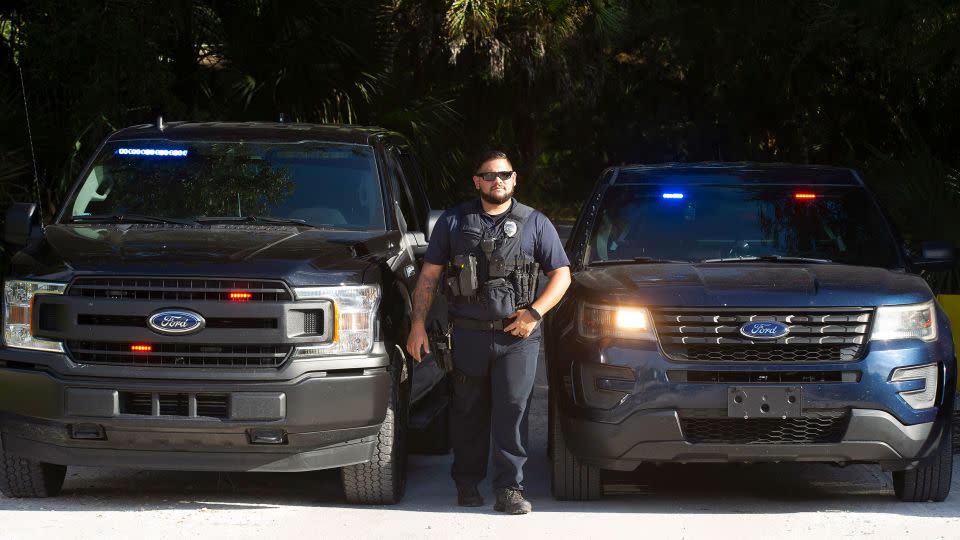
{"x": 747, "y": 313}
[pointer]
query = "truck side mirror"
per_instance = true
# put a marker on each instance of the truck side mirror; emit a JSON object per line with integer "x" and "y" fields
{"x": 432, "y": 218}
{"x": 935, "y": 256}
{"x": 20, "y": 222}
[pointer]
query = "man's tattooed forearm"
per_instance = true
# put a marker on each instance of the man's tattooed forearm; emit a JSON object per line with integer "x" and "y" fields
{"x": 423, "y": 297}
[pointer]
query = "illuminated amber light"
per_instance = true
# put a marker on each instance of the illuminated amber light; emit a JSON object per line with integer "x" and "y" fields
{"x": 141, "y": 348}
{"x": 240, "y": 296}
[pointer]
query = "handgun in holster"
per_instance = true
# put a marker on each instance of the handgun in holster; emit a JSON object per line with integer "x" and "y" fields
{"x": 462, "y": 278}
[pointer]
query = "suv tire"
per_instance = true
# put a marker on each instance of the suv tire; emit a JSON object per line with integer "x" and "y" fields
{"x": 929, "y": 481}
{"x": 383, "y": 479}
{"x": 21, "y": 477}
{"x": 571, "y": 479}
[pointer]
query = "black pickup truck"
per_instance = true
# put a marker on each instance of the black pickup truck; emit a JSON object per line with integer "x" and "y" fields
{"x": 222, "y": 297}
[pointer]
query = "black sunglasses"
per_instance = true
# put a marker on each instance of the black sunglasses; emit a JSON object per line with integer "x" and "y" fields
{"x": 493, "y": 175}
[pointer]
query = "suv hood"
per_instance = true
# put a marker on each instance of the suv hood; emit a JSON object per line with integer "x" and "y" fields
{"x": 752, "y": 285}
{"x": 299, "y": 256}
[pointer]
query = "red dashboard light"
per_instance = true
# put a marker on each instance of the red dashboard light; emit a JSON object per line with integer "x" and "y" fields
{"x": 141, "y": 347}
{"x": 804, "y": 196}
{"x": 240, "y": 296}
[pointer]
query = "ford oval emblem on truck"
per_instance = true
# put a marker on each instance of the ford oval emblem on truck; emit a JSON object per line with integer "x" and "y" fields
{"x": 176, "y": 322}
{"x": 764, "y": 330}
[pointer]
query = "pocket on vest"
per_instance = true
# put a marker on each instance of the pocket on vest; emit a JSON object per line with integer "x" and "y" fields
{"x": 499, "y": 298}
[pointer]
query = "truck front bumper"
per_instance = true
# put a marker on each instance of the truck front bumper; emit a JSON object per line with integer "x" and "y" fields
{"x": 317, "y": 420}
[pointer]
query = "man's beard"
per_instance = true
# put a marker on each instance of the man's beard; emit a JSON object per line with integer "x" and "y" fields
{"x": 494, "y": 199}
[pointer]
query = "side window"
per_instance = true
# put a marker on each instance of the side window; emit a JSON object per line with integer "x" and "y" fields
{"x": 411, "y": 171}
{"x": 402, "y": 193}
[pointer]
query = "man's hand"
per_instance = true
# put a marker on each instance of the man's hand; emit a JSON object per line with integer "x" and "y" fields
{"x": 416, "y": 339}
{"x": 422, "y": 300}
{"x": 523, "y": 323}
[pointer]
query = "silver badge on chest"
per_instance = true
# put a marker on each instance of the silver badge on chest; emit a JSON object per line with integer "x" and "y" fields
{"x": 510, "y": 228}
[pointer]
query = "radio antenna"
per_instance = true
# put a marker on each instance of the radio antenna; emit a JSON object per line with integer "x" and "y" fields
{"x": 33, "y": 155}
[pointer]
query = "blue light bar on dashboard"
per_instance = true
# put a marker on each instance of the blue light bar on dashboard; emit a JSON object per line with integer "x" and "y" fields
{"x": 673, "y": 195}
{"x": 157, "y": 152}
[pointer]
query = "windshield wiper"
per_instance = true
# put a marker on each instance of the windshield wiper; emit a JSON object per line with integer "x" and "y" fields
{"x": 269, "y": 220}
{"x": 129, "y": 218}
{"x": 768, "y": 258}
{"x": 637, "y": 260}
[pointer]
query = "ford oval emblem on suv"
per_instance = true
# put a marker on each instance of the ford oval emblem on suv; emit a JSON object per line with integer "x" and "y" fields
{"x": 176, "y": 321}
{"x": 764, "y": 330}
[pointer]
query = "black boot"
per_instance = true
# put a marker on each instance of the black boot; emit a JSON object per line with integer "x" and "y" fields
{"x": 468, "y": 496}
{"x": 511, "y": 501}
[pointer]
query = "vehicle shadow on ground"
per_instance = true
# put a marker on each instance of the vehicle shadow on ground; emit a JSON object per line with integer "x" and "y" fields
{"x": 686, "y": 489}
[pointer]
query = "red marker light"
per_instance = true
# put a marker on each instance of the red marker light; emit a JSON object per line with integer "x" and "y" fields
{"x": 804, "y": 196}
{"x": 141, "y": 348}
{"x": 240, "y": 296}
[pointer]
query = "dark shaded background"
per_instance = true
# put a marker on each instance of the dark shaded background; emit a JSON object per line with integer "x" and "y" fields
{"x": 567, "y": 86}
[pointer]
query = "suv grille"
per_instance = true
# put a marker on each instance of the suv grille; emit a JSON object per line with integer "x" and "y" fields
{"x": 179, "y": 355}
{"x": 816, "y": 427}
{"x": 824, "y": 335}
{"x": 146, "y": 288}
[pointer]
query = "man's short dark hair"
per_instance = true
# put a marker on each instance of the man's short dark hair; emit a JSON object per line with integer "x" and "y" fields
{"x": 489, "y": 155}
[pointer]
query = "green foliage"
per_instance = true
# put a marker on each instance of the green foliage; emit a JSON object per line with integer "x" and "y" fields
{"x": 567, "y": 87}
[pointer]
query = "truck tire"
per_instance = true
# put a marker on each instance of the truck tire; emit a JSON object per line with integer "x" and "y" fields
{"x": 21, "y": 477}
{"x": 383, "y": 479}
{"x": 929, "y": 481}
{"x": 571, "y": 479}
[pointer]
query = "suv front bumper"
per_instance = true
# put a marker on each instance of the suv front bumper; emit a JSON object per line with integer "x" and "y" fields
{"x": 871, "y": 436}
{"x": 645, "y": 420}
{"x": 316, "y": 420}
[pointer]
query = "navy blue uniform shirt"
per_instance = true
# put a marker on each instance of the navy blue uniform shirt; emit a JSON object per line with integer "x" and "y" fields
{"x": 538, "y": 239}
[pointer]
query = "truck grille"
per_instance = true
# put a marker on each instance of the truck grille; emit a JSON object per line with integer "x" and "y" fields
{"x": 91, "y": 319}
{"x": 183, "y": 289}
{"x": 169, "y": 404}
{"x": 816, "y": 427}
{"x": 824, "y": 335}
{"x": 179, "y": 355}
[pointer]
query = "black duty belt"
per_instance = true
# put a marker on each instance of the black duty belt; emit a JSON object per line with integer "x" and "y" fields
{"x": 476, "y": 324}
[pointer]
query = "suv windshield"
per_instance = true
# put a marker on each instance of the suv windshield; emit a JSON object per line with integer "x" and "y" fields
{"x": 313, "y": 183}
{"x": 774, "y": 223}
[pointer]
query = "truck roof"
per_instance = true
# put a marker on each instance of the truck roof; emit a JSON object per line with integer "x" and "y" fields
{"x": 734, "y": 173}
{"x": 252, "y": 131}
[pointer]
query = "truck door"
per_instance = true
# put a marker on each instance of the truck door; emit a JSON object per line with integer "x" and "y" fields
{"x": 414, "y": 207}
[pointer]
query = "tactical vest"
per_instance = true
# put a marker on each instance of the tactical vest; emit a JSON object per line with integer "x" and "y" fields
{"x": 490, "y": 276}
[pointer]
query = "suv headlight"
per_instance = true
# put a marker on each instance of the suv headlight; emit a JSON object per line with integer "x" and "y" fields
{"x": 18, "y": 299}
{"x": 914, "y": 321}
{"x": 629, "y": 322}
{"x": 354, "y": 318}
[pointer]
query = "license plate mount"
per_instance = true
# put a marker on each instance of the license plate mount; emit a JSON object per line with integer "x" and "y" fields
{"x": 764, "y": 402}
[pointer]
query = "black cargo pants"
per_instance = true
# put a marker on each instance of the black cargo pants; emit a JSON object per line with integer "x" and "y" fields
{"x": 492, "y": 388}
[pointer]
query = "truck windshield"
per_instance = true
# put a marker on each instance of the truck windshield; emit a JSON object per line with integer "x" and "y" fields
{"x": 319, "y": 184}
{"x": 730, "y": 223}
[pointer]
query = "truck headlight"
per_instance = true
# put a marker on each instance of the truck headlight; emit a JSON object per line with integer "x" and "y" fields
{"x": 354, "y": 318}
{"x": 629, "y": 322}
{"x": 18, "y": 300}
{"x": 925, "y": 397}
{"x": 916, "y": 321}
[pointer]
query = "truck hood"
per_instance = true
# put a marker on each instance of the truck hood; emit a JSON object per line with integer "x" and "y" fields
{"x": 751, "y": 285}
{"x": 298, "y": 255}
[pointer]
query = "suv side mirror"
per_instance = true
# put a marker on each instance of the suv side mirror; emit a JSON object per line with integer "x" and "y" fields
{"x": 935, "y": 256}
{"x": 432, "y": 218}
{"x": 20, "y": 222}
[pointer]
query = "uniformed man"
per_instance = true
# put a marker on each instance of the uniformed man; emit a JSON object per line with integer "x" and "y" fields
{"x": 493, "y": 248}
